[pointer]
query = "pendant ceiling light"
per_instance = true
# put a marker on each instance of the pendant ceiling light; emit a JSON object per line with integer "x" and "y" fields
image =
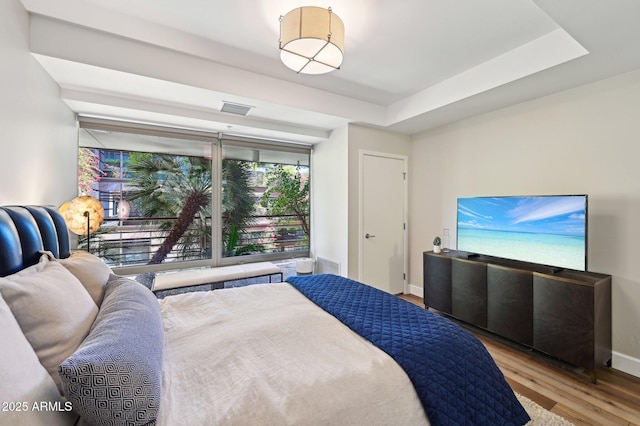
{"x": 311, "y": 40}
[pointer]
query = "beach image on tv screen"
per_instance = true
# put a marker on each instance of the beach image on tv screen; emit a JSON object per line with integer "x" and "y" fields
{"x": 549, "y": 230}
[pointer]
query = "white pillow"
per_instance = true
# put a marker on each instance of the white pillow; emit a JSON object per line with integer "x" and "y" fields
{"x": 25, "y": 382}
{"x": 53, "y": 309}
{"x": 92, "y": 272}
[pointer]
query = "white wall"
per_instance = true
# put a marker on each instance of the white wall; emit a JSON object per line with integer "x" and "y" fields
{"x": 329, "y": 207}
{"x": 38, "y": 135}
{"x": 335, "y": 186}
{"x": 585, "y": 140}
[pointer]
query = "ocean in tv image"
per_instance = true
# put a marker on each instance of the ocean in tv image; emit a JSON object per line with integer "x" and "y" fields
{"x": 549, "y": 230}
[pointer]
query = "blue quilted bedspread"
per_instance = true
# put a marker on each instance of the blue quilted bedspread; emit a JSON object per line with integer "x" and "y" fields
{"x": 456, "y": 379}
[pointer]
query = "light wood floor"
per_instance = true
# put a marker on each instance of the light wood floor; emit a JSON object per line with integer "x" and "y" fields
{"x": 562, "y": 389}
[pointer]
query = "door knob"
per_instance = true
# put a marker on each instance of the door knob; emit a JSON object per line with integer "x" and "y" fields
{"x": 367, "y": 236}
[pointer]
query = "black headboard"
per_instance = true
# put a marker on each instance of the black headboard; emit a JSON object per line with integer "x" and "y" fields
{"x": 24, "y": 231}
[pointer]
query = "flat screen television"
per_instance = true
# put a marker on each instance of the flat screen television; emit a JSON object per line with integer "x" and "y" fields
{"x": 549, "y": 230}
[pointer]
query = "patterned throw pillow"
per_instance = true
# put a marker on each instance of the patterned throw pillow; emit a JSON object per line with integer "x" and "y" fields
{"x": 115, "y": 376}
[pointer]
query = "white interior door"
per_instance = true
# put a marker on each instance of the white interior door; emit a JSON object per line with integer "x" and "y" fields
{"x": 382, "y": 239}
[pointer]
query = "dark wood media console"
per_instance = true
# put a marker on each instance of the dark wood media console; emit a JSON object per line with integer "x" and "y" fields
{"x": 565, "y": 314}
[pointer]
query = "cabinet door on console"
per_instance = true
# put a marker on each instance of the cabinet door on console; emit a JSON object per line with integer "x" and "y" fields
{"x": 469, "y": 291}
{"x": 564, "y": 319}
{"x": 437, "y": 282}
{"x": 510, "y": 303}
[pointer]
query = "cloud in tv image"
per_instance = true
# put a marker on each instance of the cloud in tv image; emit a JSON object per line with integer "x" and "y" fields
{"x": 550, "y": 230}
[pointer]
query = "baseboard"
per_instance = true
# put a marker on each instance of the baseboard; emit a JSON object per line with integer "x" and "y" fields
{"x": 416, "y": 290}
{"x": 625, "y": 363}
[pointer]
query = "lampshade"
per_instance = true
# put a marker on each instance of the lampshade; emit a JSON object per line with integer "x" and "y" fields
{"x": 83, "y": 214}
{"x": 311, "y": 40}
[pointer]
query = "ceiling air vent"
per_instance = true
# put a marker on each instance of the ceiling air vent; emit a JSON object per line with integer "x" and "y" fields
{"x": 234, "y": 108}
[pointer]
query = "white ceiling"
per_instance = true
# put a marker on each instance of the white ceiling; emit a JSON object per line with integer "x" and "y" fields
{"x": 409, "y": 65}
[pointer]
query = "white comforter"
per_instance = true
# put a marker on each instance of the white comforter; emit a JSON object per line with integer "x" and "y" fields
{"x": 266, "y": 355}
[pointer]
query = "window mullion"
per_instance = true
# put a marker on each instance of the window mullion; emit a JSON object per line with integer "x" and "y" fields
{"x": 216, "y": 200}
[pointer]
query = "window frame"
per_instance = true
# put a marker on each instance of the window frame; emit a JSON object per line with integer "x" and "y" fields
{"x": 216, "y": 141}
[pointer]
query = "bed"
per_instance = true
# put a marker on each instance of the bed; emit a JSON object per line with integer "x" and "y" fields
{"x": 81, "y": 345}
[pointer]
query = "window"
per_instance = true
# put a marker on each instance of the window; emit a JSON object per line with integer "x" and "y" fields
{"x": 265, "y": 198}
{"x": 181, "y": 198}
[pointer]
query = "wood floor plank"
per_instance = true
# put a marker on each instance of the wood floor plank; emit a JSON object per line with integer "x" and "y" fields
{"x": 569, "y": 390}
{"x": 563, "y": 389}
{"x": 540, "y": 399}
